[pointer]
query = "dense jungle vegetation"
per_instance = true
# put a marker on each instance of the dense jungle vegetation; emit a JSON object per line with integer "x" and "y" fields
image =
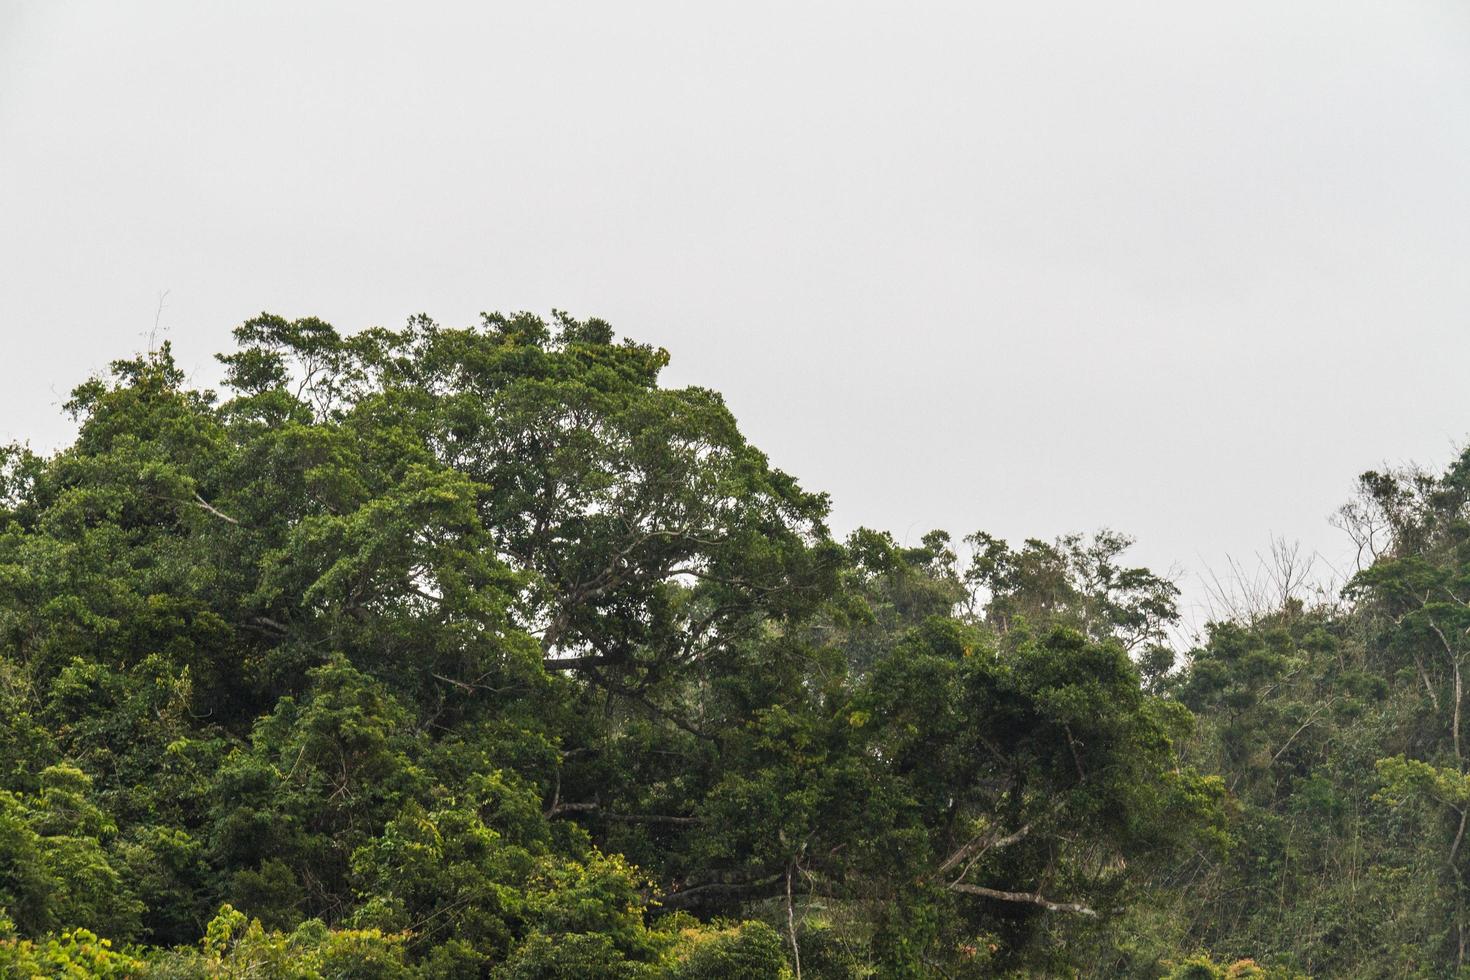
{"x": 476, "y": 653}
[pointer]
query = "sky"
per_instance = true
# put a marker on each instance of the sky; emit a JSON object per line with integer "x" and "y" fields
{"x": 1182, "y": 270}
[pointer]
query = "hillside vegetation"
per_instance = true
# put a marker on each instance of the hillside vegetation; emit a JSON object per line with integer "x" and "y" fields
{"x": 476, "y": 653}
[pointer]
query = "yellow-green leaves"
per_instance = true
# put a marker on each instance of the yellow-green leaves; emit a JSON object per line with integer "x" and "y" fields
{"x": 1405, "y": 778}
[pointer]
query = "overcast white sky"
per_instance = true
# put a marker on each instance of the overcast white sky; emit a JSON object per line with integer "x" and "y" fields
{"x": 1175, "y": 268}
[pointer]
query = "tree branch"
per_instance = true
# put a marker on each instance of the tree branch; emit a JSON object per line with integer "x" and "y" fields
{"x": 209, "y": 508}
{"x": 1029, "y": 899}
{"x": 981, "y": 844}
{"x": 558, "y": 809}
{"x": 574, "y": 663}
{"x": 715, "y": 889}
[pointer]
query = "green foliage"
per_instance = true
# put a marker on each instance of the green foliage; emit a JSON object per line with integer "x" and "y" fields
{"x": 564, "y": 958}
{"x": 478, "y": 652}
{"x": 746, "y": 951}
{"x": 75, "y": 954}
{"x": 1201, "y": 967}
{"x": 237, "y": 946}
{"x": 54, "y": 863}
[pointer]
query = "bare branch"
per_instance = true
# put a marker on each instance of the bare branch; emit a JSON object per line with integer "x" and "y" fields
{"x": 209, "y": 508}
{"x": 1029, "y": 899}
{"x": 979, "y": 845}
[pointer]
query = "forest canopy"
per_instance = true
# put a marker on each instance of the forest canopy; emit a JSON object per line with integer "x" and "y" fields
{"x": 477, "y": 652}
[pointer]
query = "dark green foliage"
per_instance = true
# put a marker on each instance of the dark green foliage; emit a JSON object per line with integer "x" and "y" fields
{"x": 469, "y": 653}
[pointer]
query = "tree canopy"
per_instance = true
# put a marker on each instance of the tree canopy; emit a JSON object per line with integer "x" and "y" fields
{"x": 477, "y": 652}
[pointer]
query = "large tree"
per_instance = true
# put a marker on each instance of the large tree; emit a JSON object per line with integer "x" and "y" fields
{"x": 468, "y": 651}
